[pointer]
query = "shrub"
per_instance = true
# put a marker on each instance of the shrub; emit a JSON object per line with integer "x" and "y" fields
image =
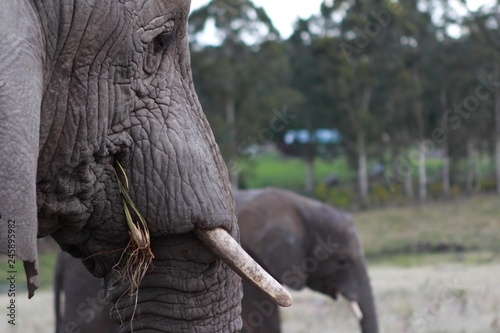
{"x": 380, "y": 195}
{"x": 488, "y": 185}
{"x": 435, "y": 190}
{"x": 341, "y": 197}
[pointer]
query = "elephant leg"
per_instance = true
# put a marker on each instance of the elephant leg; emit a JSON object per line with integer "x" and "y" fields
{"x": 84, "y": 309}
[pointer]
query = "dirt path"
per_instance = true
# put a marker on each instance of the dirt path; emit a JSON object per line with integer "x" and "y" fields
{"x": 441, "y": 298}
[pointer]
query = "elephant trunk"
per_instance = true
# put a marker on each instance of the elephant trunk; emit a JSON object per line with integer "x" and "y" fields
{"x": 366, "y": 302}
{"x": 187, "y": 289}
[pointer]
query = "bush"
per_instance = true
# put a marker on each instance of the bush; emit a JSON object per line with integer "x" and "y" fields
{"x": 380, "y": 195}
{"x": 488, "y": 185}
{"x": 435, "y": 190}
{"x": 455, "y": 191}
{"x": 339, "y": 197}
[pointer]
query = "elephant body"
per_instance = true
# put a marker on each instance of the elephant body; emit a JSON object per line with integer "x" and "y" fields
{"x": 302, "y": 243}
{"x": 88, "y": 87}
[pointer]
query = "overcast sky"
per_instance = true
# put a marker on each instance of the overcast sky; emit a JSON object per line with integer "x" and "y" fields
{"x": 282, "y": 18}
{"x": 284, "y": 13}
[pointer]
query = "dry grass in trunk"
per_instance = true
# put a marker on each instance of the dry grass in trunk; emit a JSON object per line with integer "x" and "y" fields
{"x": 137, "y": 256}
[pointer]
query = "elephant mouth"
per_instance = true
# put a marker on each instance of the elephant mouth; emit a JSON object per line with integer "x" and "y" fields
{"x": 220, "y": 242}
{"x": 354, "y": 305}
{"x": 352, "y": 299}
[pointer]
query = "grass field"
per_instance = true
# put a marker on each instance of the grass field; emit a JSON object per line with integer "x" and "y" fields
{"x": 272, "y": 169}
{"x": 462, "y": 225}
{"x": 289, "y": 173}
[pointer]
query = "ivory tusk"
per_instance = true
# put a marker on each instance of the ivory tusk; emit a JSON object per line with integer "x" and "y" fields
{"x": 220, "y": 242}
{"x": 356, "y": 310}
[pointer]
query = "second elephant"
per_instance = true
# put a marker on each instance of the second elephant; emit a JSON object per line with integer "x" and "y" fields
{"x": 302, "y": 243}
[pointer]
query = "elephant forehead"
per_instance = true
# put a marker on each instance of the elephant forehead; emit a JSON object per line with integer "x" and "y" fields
{"x": 150, "y": 13}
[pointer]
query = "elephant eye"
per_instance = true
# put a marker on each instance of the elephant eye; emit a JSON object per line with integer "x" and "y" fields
{"x": 163, "y": 41}
{"x": 342, "y": 262}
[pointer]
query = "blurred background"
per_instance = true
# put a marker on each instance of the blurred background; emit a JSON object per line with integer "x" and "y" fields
{"x": 387, "y": 109}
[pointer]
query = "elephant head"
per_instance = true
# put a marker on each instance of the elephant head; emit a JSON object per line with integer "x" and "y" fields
{"x": 303, "y": 243}
{"x": 88, "y": 84}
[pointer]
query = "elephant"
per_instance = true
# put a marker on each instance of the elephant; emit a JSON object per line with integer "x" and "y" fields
{"x": 105, "y": 147}
{"x": 302, "y": 243}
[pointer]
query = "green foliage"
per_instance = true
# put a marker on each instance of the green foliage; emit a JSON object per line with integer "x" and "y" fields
{"x": 387, "y": 75}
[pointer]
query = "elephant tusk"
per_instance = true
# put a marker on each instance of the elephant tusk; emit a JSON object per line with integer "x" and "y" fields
{"x": 220, "y": 242}
{"x": 356, "y": 310}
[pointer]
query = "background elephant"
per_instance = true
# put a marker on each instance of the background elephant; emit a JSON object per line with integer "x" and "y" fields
{"x": 302, "y": 243}
{"x": 88, "y": 84}
{"x": 79, "y": 299}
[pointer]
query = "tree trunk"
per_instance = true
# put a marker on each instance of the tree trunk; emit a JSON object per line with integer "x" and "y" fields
{"x": 420, "y": 119}
{"x": 233, "y": 146}
{"x": 309, "y": 186}
{"x": 409, "y": 187}
{"x": 362, "y": 170}
{"x": 497, "y": 128}
{"x": 422, "y": 174}
{"x": 409, "y": 183}
{"x": 477, "y": 170}
{"x": 446, "y": 172}
{"x": 446, "y": 153}
{"x": 469, "y": 181}
{"x": 310, "y": 154}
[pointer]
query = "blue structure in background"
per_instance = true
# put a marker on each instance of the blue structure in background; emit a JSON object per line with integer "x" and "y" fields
{"x": 321, "y": 136}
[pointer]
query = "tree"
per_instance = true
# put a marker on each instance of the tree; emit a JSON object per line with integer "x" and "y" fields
{"x": 484, "y": 27}
{"x": 237, "y": 22}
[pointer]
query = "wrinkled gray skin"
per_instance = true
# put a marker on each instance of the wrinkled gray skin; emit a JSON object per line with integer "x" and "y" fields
{"x": 302, "y": 243}
{"x": 86, "y": 83}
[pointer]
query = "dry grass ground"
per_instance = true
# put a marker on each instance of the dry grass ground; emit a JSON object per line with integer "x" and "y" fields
{"x": 437, "y": 298}
{"x": 32, "y": 316}
{"x": 451, "y": 298}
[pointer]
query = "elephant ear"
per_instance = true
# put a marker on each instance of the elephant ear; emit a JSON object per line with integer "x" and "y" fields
{"x": 282, "y": 253}
{"x": 21, "y": 90}
{"x": 322, "y": 221}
